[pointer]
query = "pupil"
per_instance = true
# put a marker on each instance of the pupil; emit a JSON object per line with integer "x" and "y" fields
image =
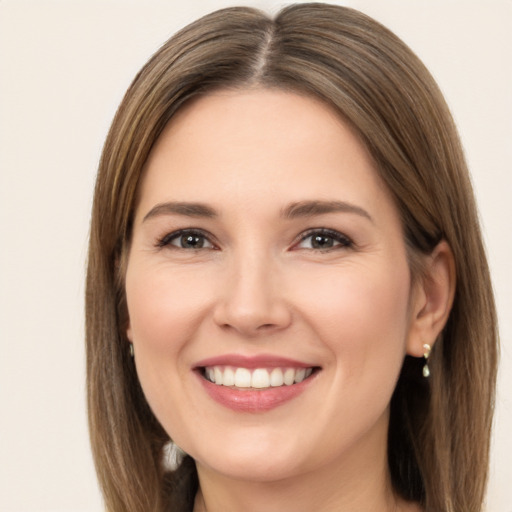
{"x": 322, "y": 241}
{"x": 192, "y": 241}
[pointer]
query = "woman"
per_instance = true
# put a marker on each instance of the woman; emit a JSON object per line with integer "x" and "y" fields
{"x": 286, "y": 277}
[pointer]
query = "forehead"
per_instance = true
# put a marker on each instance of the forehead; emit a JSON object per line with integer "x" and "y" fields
{"x": 259, "y": 146}
{"x": 268, "y": 117}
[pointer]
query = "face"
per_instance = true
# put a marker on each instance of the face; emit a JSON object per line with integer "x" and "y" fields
{"x": 268, "y": 288}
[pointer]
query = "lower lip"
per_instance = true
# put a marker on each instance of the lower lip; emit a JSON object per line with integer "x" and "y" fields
{"x": 254, "y": 400}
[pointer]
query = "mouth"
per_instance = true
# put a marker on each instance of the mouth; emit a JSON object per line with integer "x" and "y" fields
{"x": 255, "y": 378}
{"x": 254, "y": 384}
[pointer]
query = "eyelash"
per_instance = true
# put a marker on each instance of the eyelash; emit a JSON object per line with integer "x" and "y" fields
{"x": 339, "y": 240}
{"x": 342, "y": 241}
{"x": 167, "y": 240}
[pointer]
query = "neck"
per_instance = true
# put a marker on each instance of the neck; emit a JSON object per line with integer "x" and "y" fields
{"x": 294, "y": 494}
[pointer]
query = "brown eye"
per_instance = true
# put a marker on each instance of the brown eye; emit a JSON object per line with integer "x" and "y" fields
{"x": 190, "y": 241}
{"x": 323, "y": 240}
{"x": 186, "y": 239}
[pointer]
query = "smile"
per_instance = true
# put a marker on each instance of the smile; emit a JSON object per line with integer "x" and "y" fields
{"x": 256, "y": 378}
{"x": 254, "y": 384}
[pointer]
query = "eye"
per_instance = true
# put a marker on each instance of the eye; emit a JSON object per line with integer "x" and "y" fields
{"x": 186, "y": 239}
{"x": 323, "y": 239}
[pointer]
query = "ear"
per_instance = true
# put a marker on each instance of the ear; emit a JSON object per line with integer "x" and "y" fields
{"x": 129, "y": 333}
{"x": 432, "y": 299}
{"x": 120, "y": 264}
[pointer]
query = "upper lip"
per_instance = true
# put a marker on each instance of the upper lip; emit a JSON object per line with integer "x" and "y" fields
{"x": 259, "y": 361}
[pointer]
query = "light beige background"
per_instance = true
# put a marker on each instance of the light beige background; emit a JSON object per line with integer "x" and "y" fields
{"x": 64, "y": 66}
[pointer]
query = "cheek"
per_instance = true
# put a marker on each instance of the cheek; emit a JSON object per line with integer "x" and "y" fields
{"x": 361, "y": 314}
{"x": 163, "y": 308}
{"x": 362, "y": 319}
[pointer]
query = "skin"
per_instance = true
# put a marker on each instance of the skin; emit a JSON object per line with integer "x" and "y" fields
{"x": 259, "y": 286}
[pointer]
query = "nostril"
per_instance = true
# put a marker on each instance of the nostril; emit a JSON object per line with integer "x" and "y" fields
{"x": 257, "y": 328}
{"x": 250, "y": 311}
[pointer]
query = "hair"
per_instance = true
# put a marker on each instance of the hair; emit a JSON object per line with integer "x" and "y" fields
{"x": 438, "y": 448}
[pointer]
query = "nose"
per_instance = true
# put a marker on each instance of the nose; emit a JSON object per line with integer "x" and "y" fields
{"x": 252, "y": 301}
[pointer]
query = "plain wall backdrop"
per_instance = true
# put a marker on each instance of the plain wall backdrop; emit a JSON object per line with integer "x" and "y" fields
{"x": 64, "y": 66}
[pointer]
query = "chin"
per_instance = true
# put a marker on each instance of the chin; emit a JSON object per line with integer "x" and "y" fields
{"x": 262, "y": 469}
{"x": 255, "y": 461}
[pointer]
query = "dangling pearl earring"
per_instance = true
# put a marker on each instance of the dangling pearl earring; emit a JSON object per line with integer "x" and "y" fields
{"x": 132, "y": 353}
{"x": 426, "y": 353}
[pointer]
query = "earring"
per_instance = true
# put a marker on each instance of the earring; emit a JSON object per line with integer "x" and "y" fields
{"x": 426, "y": 353}
{"x": 132, "y": 353}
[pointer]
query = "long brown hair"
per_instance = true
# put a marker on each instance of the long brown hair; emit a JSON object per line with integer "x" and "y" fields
{"x": 439, "y": 429}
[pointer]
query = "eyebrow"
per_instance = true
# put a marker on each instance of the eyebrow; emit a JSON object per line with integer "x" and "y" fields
{"x": 181, "y": 208}
{"x": 312, "y": 208}
{"x": 295, "y": 210}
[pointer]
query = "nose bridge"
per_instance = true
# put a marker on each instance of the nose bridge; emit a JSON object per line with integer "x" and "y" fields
{"x": 252, "y": 300}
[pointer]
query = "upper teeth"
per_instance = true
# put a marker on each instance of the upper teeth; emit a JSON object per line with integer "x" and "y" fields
{"x": 257, "y": 378}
